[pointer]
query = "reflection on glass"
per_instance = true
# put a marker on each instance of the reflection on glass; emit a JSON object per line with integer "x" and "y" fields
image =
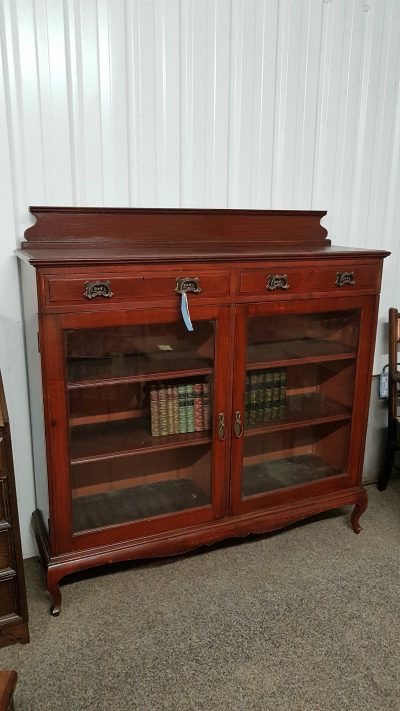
{"x": 282, "y": 339}
{"x": 298, "y": 398}
{"x": 140, "y": 404}
{"x": 124, "y": 489}
{"x": 288, "y": 458}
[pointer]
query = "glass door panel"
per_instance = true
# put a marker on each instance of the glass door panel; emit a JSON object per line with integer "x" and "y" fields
{"x": 140, "y": 401}
{"x": 298, "y": 398}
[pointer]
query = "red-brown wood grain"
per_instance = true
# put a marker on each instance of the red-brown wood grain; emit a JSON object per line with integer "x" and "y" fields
{"x": 232, "y": 253}
{"x": 8, "y": 681}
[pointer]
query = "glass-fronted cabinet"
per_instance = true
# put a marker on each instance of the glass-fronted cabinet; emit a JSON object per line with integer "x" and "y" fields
{"x": 143, "y": 405}
{"x": 150, "y": 439}
{"x": 293, "y": 405}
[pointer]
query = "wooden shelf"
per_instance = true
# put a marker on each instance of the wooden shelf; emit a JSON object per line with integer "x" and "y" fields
{"x": 280, "y": 473}
{"x": 97, "y": 442}
{"x": 138, "y": 502}
{"x": 92, "y": 372}
{"x": 302, "y": 411}
{"x": 76, "y": 420}
{"x": 296, "y": 352}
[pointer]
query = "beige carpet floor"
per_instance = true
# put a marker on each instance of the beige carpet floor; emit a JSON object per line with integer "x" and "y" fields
{"x": 307, "y": 618}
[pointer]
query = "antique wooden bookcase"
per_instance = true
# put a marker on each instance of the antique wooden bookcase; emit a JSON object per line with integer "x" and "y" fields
{"x": 280, "y": 359}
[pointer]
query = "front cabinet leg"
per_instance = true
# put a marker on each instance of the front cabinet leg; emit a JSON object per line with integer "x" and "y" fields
{"x": 53, "y": 579}
{"x": 359, "y": 509}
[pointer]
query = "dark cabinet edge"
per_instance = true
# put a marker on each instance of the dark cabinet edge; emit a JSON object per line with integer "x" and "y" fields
{"x": 15, "y": 573}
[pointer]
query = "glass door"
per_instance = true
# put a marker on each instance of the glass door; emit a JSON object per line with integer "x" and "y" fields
{"x": 293, "y": 402}
{"x": 144, "y": 401}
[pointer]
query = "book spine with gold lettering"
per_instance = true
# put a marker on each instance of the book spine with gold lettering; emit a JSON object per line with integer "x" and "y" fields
{"x": 163, "y": 409}
{"x": 154, "y": 411}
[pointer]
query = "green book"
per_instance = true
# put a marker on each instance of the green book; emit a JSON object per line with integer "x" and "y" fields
{"x": 190, "y": 408}
{"x": 260, "y": 396}
{"x": 253, "y": 398}
{"x": 175, "y": 400}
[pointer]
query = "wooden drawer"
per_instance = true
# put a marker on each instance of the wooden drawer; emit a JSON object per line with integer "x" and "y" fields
{"x": 108, "y": 288}
{"x": 284, "y": 281}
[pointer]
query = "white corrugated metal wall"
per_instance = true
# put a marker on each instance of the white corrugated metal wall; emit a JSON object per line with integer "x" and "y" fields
{"x": 214, "y": 103}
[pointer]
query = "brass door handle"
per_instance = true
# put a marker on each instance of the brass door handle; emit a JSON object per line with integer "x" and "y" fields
{"x": 238, "y": 426}
{"x": 221, "y": 426}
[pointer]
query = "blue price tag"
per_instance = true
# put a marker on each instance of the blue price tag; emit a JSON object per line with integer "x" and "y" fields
{"x": 185, "y": 312}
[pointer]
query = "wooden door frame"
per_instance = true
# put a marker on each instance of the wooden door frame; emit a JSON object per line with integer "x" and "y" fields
{"x": 52, "y": 327}
{"x": 368, "y": 306}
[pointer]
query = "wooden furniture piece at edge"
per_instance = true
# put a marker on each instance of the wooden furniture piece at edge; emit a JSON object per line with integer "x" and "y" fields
{"x": 250, "y": 265}
{"x": 8, "y": 681}
{"x": 13, "y": 604}
{"x": 392, "y": 435}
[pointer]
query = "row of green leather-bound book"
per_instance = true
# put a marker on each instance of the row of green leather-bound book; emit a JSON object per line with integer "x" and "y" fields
{"x": 265, "y": 396}
{"x": 179, "y": 408}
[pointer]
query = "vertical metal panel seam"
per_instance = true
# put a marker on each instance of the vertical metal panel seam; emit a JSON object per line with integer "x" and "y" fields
{"x": 228, "y": 191}
{"x": 214, "y": 113}
{"x": 18, "y": 134}
{"x": 273, "y": 160}
{"x": 8, "y": 115}
{"x": 280, "y": 108}
{"x": 392, "y": 135}
{"x": 99, "y": 99}
{"x": 317, "y": 106}
{"x": 322, "y": 102}
{"x": 74, "y": 150}
{"x": 130, "y": 98}
{"x": 180, "y": 110}
{"x": 368, "y": 201}
{"x": 394, "y": 173}
{"x": 337, "y": 169}
{"x": 42, "y": 136}
{"x": 304, "y": 98}
{"x": 80, "y": 103}
{"x": 261, "y": 115}
{"x": 156, "y": 104}
{"x": 355, "y": 197}
{"x": 340, "y": 154}
{"x": 164, "y": 122}
{"x": 253, "y": 95}
{"x": 380, "y": 118}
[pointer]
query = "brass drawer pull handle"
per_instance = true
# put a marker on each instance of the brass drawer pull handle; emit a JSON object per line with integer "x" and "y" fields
{"x": 345, "y": 279}
{"x": 98, "y": 288}
{"x": 238, "y": 426}
{"x": 221, "y": 426}
{"x": 187, "y": 285}
{"x": 277, "y": 281}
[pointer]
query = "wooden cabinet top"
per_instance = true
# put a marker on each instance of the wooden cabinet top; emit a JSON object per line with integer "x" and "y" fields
{"x": 64, "y": 236}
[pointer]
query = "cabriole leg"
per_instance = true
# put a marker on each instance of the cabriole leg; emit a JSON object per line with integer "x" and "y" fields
{"x": 54, "y": 589}
{"x": 359, "y": 509}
